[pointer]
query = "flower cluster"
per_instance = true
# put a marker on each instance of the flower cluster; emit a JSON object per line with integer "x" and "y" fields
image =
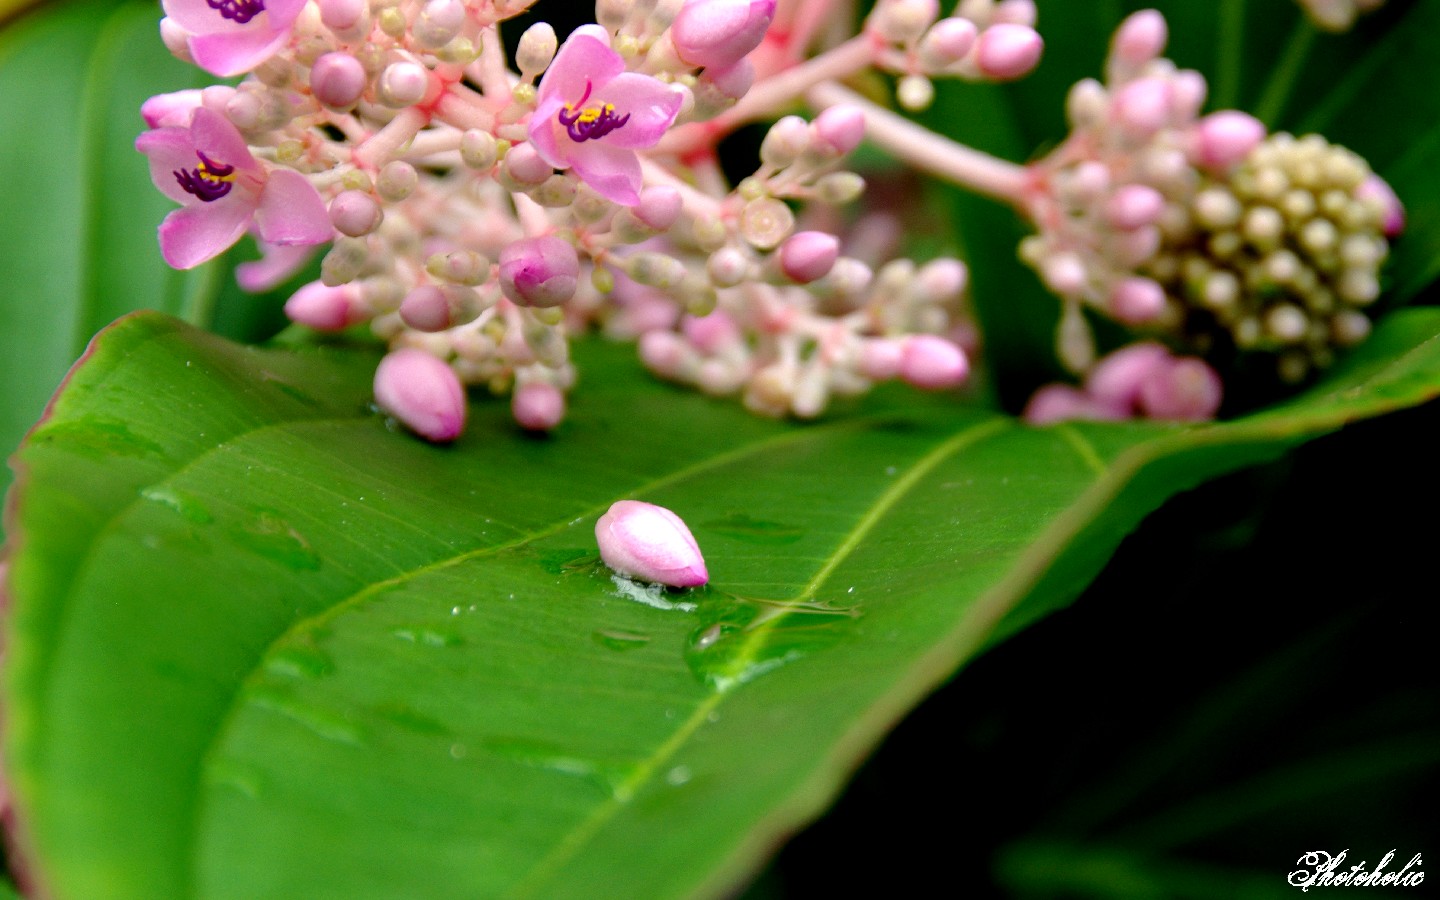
{"x": 481, "y": 211}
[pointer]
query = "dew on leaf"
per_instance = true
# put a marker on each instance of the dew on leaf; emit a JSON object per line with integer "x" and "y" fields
{"x": 271, "y": 536}
{"x": 621, "y": 640}
{"x": 186, "y": 504}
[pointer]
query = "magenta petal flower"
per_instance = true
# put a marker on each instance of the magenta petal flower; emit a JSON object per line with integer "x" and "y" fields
{"x": 591, "y": 115}
{"x": 208, "y": 168}
{"x": 230, "y": 37}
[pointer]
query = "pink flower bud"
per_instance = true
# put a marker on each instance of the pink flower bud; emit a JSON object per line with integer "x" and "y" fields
{"x": 1006, "y": 51}
{"x": 354, "y": 213}
{"x": 1063, "y": 403}
{"x": 338, "y": 80}
{"x": 341, "y": 15}
{"x": 541, "y": 271}
{"x": 1115, "y": 381}
{"x": 931, "y": 363}
{"x": 841, "y": 128}
{"x": 430, "y": 307}
{"x": 403, "y": 84}
{"x": 712, "y": 333}
{"x": 1017, "y": 12}
{"x": 524, "y": 164}
{"x": 664, "y": 352}
{"x": 1064, "y": 273}
{"x": 733, "y": 81}
{"x": 1142, "y": 107}
{"x": 1188, "y": 390}
{"x": 1141, "y": 38}
{"x": 659, "y": 206}
{"x": 537, "y": 406}
{"x": 173, "y": 109}
{"x": 880, "y": 358}
{"x": 326, "y": 308}
{"x": 651, "y": 543}
{"x": 422, "y": 392}
{"x": 948, "y": 42}
{"x": 1224, "y": 138}
{"x": 1134, "y": 205}
{"x": 1376, "y": 189}
{"x": 808, "y": 255}
{"x": 1136, "y": 301}
{"x": 720, "y": 32}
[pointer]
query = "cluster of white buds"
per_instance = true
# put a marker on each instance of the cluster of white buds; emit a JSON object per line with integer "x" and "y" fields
{"x": 1338, "y": 15}
{"x": 482, "y": 213}
{"x": 1199, "y": 229}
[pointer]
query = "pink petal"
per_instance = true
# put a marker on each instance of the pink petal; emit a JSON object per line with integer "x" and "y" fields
{"x": 282, "y": 13}
{"x": 545, "y": 134}
{"x": 168, "y": 149}
{"x": 291, "y": 212}
{"x": 613, "y": 172}
{"x": 276, "y": 264}
{"x": 582, "y": 60}
{"x": 198, "y": 234}
{"x": 235, "y": 53}
{"x": 652, "y": 106}
{"x": 214, "y": 136}
{"x": 197, "y": 17}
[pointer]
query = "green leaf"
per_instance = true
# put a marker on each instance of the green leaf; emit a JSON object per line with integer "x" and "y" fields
{"x": 315, "y": 657}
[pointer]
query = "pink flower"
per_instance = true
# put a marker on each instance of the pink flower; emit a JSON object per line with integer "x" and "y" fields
{"x": 230, "y": 37}
{"x": 592, "y": 115}
{"x": 651, "y": 543}
{"x": 208, "y": 168}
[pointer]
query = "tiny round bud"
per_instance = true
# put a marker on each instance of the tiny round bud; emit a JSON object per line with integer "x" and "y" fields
{"x": 341, "y": 15}
{"x": 1142, "y": 107}
{"x": 524, "y": 164}
{"x": 932, "y": 363}
{"x": 1064, "y": 273}
{"x": 765, "y": 222}
{"x": 537, "y": 406}
{"x": 478, "y": 150}
{"x": 808, "y": 255}
{"x": 397, "y": 180}
{"x": 541, "y": 271}
{"x": 537, "y": 48}
{"x": 422, "y": 392}
{"x": 437, "y": 308}
{"x": 1137, "y": 301}
{"x": 902, "y": 21}
{"x": 947, "y": 42}
{"x": 1134, "y": 205}
{"x": 915, "y": 92}
{"x": 651, "y": 543}
{"x": 840, "y": 128}
{"x": 338, "y": 80}
{"x": 1005, "y": 51}
{"x": 403, "y": 84}
{"x": 838, "y": 188}
{"x": 784, "y": 142}
{"x": 1187, "y": 390}
{"x": 1224, "y": 138}
{"x": 1116, "y": 380}
{"x": 711, "y": 333}
{"x": 1377, "y": 191}
{"x": 326, "y": 308}
{"x": 355, "y": 213}
{"x": 727, "y": 267}
{"x": 659, "y": 206}
{"x": 880, "y": 358}
{"x": 1140, "y": 38}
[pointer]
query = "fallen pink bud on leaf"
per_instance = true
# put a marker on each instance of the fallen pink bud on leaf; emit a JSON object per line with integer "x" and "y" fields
{"x": 650, "y": 543}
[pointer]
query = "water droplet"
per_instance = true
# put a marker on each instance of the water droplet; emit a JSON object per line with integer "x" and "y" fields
{"x": 569, "y": 560}
{"x": 274, "y": 538}
{"x": 610, "y": 775}
{"x": 741, "y": 639}
{"x": 328, "y": 724}
{"x": 182, "y": 502}
{"x": 458, "y": 751}
{"x": 890, "y": 470}
{"x": 298, "y": 662}
{"x": 713, "y": 717}
{"x": 755, "y": 531}
{"x": 430, "y": 637}
{"x": 621, "y": 640}
{"x": 678, "y": 776}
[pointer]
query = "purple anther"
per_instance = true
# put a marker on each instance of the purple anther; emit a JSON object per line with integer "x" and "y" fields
{"x": 209, "y": 181}
{"x": 237, "y": 11}
{"x": 588, "y": 125}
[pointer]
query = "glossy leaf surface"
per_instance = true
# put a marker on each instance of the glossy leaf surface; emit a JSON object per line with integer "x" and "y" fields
{"x": 320, "y": 658}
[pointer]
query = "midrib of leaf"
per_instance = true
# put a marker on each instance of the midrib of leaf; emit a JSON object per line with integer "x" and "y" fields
{"x": 349, "y": 602}
{"x": 645, "y": 772}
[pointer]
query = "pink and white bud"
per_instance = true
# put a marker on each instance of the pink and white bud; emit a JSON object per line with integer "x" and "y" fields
{"x": 1142, "y": 107}
{"x": 537, "y": 48}
{"x": 1225, "y": 138}
{"x": 808, "y": 255}
{"x": 341, "y": 15}
{"x": 432, "y": 308}
{"x": 174, "y": 109}
{"x": 524, "y": 164}
{"x": 176, "y": 39}
{"x": 403, "y": 84}
{"x": 1063, "y": 403}
{"x": 338, "y": 80}
{"x": 932, "y": 363}
{"x": 326, "y": 308}
{"x": 947, "y": 42}
{"x": 1116, "y": 380}
{"x": 1140, "y": 38}
{"x": 438, "y": 23}
{"x": 902, "y": 21}
{"x": 841, "y": 128}
{"x": 713, "y": 333}
{"x": 727, "y": 267}
{"x": 659, "y": 206}
{"x": 1137, "y": 301}
{"x": 537, "y": 406}
{"x": 1377, "y": 190}
{"x": 1064, "y": 274}
{"x": 355, "y": 213}
{"x": 940, "y": 280}
{"x": 1007, "y": 51}
{"x": 665, "y": 353}
{"x": 733, "y": 81}
{"x": 785, "y": 141}
{"x": 1188, "y": 390}
{"x": 1134, "y": 205}
{"x": 650, "y": 543}
{"x": 720, "y": 32}
{"x": 422, "y": 392}
{"x": 880, "y": 358}
{"x": 542, "y": 271}
{"x": 1015, "y": 12}
{"x": 1187, "y": 94}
